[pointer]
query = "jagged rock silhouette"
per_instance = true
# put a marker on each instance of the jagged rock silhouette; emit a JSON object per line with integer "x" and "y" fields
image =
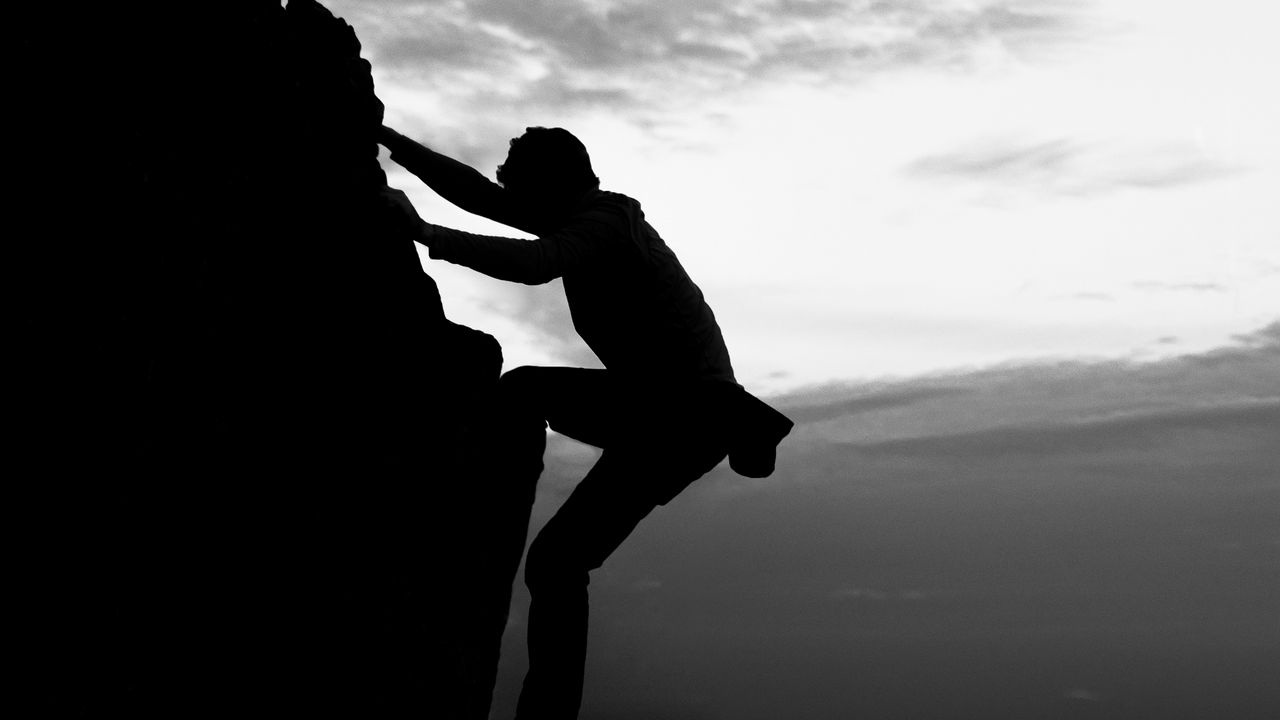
{"x": 249, "y": 487}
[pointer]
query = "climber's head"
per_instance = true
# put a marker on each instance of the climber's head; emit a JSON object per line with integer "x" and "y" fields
{"x": 548, "y": 170}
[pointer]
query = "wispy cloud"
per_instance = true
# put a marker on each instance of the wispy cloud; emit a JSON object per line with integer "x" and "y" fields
{"x": 1088, "y": 436}
{"x": 1196, "y": 287}
{"x": 656, "y": 55}
{"x": 1266, "y": 340}
{"x": 1016, "y": 162}
{"x": 1027, "y": 402}
{"x": 872, "y": 400}
{"x": 1071, "y": 167}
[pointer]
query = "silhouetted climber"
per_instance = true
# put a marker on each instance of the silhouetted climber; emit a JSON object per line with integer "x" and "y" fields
{"x": 666, "y": 410}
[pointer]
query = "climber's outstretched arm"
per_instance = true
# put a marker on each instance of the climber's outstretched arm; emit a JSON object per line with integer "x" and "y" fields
{"x": 531, "y": 262}
{"x": 454, "y": 181}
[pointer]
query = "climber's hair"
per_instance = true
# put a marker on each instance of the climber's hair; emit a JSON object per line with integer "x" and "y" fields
{"x": 548, "y": 157}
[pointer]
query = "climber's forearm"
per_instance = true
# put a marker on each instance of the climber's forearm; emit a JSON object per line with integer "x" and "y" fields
{"x": 454, "y": 181}
{"x": 531, "y": 262}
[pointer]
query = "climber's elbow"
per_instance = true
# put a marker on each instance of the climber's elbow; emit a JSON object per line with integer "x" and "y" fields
{"x": 539, "y": 276}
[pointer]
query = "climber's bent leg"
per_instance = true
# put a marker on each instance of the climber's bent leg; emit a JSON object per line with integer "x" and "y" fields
{"x": 586, "y": 405}
{"x": 656, "y": 442}
{"x": 599, "y": 514}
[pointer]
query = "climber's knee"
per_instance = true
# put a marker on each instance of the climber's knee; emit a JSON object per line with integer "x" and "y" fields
{"x": 520, "y": 381}
{"x": 520, "y": 396}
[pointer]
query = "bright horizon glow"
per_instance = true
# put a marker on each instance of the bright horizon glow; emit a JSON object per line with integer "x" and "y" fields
{"x": 1109, "y": 197}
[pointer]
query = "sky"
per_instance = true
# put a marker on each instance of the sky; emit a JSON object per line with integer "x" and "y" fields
{"x": 1013, "y": 267}
{"x": 878, "y": 189}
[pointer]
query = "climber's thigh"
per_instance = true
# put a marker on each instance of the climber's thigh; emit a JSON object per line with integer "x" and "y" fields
{"x": 586, "y": 405}
{"x": 600, "y": 513}
{"x": 623, "y": 487}
{"x": 654, "y": 422}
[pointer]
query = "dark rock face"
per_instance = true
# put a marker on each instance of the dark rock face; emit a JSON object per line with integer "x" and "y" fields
{"x": 244, "y": 450}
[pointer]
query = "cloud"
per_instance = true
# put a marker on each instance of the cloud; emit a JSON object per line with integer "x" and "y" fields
{"x": 1071, "y": 167}
{"x": 1088, "y": 435}
{"x": 667, "y": 54}
{"x": 1266, "y": 339}
{"x": 1023, "y": 29}
{"x": 441, "y": 43}
{"x": 871, "y": 401}
{"x": 999, "y": 161}
{"x": 1197, "y": 287}
{"x": 1032, "y": 401}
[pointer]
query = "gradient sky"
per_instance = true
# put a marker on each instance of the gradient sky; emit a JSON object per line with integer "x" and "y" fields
{"x": 1014, "y": 267}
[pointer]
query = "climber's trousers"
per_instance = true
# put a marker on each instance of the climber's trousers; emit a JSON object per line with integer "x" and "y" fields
{"x": 656, "y": 441}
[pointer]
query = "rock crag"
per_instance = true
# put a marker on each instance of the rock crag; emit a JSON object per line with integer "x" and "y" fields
{"x": 244, "y": 454}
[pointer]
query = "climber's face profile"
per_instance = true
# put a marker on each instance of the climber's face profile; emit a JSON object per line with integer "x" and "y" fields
{"x": 547, "y": 171}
